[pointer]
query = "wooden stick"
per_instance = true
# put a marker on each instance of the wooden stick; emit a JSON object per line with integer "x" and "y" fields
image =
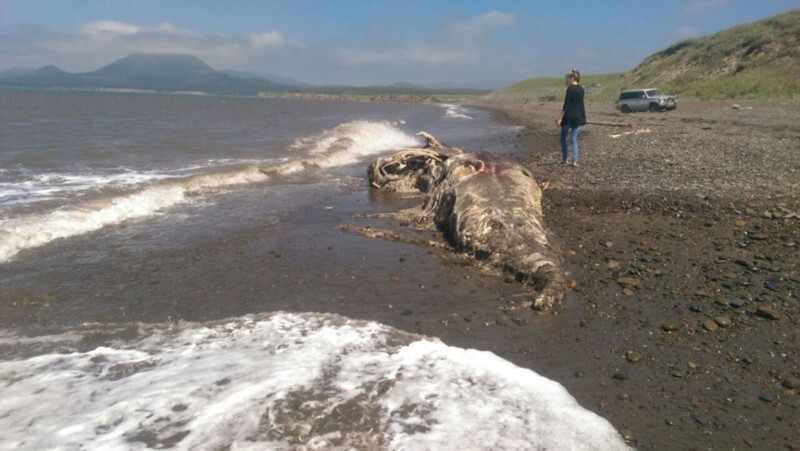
{"x": 610, "y": 124}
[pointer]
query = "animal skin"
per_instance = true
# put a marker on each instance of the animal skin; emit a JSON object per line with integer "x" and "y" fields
{"x": 485, "y": 204}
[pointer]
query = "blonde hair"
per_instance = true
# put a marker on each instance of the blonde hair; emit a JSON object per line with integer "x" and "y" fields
{"x": 574, "y": 74}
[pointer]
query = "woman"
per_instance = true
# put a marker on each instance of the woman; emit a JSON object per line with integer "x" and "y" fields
{"x": 573, "y": 115}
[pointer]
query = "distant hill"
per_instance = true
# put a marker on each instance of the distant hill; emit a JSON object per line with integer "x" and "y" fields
{"x": 480, "y": 85}
{"x": 15, "y": 72}
{"x": 271, "y": 77}
{"x": 756, "y": 60}
{"x": 761, "y": 59}
{"x": 600, "y": 87}
{"x": 181, "y": 73}
{"x": 155, "y": 72}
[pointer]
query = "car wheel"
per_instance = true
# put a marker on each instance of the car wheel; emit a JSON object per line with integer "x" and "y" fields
{"x": 654, "y": 108}
{"x": 625, "y": 109}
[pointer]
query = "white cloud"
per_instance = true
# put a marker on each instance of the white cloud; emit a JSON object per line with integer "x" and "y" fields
{"x": 367, "y": 57}
{"x": 483, "y": 24}
{"x": 96, "y": 44}
{"x": 458, "y": 41}
{"x": 431, "y": 55}
{"x": 697, "y": 6}
{"x": 266, "y": 40}
{"x": 109, "y": 27}
{"x": 687, "y": 31}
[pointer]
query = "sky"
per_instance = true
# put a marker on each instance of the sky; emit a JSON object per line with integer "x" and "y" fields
{"x": 368, "y": 42}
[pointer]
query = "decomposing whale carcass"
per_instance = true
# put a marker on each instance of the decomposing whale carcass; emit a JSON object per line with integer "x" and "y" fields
{"x": 485, "y": 204}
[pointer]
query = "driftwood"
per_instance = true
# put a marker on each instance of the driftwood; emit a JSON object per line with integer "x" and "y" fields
{"x": 485, "y": 204}
{"x": 611, "y": 124}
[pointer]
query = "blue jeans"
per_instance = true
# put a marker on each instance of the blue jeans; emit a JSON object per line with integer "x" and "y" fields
{"x": 573, "y": 137}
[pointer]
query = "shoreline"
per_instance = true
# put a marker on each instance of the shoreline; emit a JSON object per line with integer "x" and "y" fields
{"x": 645, "y": 251}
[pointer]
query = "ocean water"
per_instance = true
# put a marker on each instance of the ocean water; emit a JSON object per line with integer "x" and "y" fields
{"x": 121, "y": 328}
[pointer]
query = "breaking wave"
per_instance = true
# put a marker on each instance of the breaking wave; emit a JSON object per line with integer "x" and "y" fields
{"x": 281, "y": 381}
{"x": 455, "y": 111}
{"x": 35, "y": 230}
{"x": 147, "y": 194}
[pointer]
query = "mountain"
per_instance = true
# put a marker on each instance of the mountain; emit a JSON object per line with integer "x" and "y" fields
{"x": 481, "y": 85}
{"x": 756, "y": 59}
{"x": 156, "y": 72}
{"x": 245, "y": 75}
{"x": 40, "y": 78}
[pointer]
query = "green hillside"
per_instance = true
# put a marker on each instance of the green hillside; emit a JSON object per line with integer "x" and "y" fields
{"x": 598, "y": 87}
{"x": 757, "y": 60}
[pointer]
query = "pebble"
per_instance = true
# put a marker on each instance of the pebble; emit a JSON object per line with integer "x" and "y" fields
{"x": 632, "y": 281}
{"x": 710, "y": 325}
{"x": 737, "y": 303}
{"x": 571, "y": 283}
{"x": 633, "y": 356}
{"x": 722, "y": 321}
{"x": 627, "y": 291}
{"x": 672, "y": 324}
{"x": 765, "y": 397}
{"x": 723, "y": 302}
{"x": 700, "y": 418}
{"x": 768, "y": 313}
{"x": 791, "y": 382}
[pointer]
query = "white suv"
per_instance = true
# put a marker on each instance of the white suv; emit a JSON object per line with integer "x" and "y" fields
{"x": 645, "y": 100}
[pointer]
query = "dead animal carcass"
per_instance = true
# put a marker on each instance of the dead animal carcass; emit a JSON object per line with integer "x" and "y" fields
{"x": 486, "y": 204}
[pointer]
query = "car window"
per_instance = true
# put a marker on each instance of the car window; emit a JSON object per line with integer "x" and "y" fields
{"x": 654, "y": 93}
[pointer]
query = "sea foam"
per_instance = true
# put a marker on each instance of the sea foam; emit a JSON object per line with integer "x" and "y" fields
{"x": 280, "y": 381}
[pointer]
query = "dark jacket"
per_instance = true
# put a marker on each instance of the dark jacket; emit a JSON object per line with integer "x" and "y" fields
{"x": 574, "y": 112}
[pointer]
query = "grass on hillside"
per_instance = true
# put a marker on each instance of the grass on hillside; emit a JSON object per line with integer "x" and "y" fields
{"x": 759, "y": 83}
{"x": 757, "y": 60}
{"x": 772, "y": 81}
{"x": 599, "y": 88}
